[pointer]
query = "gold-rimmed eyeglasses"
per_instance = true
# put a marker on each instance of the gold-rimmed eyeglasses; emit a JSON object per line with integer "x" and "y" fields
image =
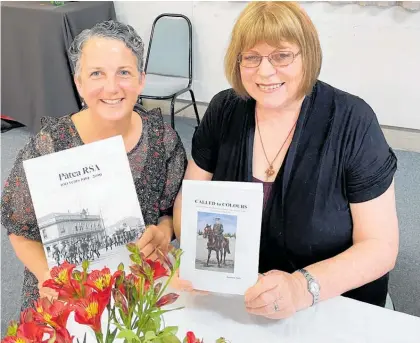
{"x": 276, "y": 58}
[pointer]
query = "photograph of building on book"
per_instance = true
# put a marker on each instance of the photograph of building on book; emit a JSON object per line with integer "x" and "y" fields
{"x": 75, "y": 236}
{"x": 216, "y": 237}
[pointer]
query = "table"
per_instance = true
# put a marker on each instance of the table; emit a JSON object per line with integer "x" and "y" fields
{"x": 338, "y": 320}
{"x": 37, "y": 76}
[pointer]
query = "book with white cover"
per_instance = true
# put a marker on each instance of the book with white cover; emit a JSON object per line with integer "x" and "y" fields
{"x": 86, "y": 204}
{"x": 221, "y": 228}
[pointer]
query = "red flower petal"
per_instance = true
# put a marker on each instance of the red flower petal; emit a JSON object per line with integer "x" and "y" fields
{"x": 167, "y": 299}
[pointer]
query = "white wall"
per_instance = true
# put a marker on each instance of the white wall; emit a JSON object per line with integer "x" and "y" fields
{"x": 368, "y": 51}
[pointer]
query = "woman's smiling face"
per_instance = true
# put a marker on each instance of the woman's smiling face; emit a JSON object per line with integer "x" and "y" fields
{"x": 109, "y": 80}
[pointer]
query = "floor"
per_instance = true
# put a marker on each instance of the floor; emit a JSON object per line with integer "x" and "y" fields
{"x": 404, "y": 281}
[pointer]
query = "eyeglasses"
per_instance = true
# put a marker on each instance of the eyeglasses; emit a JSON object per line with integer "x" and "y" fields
{"x": 277, "y": 59}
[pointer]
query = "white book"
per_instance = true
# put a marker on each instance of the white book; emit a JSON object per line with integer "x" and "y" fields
{"x": 86, "y": 204}
{"x": 221, "y": 229}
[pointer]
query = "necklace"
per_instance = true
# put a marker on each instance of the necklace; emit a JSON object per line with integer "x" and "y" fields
{"x": 270, "y": 170}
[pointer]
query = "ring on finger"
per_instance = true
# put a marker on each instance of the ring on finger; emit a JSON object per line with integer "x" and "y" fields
{"x": 276, "y": 306}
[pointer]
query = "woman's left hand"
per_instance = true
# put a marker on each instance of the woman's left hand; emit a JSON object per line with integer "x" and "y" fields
{"x": 276, "y": 295}
{"x": 155, "y": 237}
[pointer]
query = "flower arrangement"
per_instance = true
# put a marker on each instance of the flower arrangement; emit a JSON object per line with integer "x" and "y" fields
{"x": 133, "y": 304}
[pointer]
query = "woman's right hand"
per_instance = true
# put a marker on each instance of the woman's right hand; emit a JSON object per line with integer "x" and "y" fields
{"x": 45, "y": 291}
{"x": 184, "y": 286}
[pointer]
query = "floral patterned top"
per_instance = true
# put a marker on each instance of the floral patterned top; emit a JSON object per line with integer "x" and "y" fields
{"x": 158, "y": 162}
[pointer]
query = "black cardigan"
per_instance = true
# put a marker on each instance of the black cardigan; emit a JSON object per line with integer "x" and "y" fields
{"x": 338, "y": 155}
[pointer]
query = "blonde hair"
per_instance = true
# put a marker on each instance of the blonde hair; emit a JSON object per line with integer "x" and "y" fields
{"x": 274, "y": 23}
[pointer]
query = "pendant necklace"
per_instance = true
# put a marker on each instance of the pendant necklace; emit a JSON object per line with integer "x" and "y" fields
{"x": 270, "y": 170}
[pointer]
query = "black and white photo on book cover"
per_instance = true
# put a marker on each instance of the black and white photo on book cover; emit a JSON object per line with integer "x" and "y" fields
{"x": 86, "y": 204}
{"x": 221, "y": 228}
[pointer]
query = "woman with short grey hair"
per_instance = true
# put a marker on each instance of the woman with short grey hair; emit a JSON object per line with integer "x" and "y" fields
{"x": 108, "y": 73}
{"x": 112, "y": 30}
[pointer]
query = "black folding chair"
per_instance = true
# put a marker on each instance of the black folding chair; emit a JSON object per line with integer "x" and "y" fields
{"x": 169, "y": 62}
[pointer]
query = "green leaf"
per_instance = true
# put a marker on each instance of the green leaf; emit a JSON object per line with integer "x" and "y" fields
{"x": 170, "y": 339}
{"x": 155, "y": 313}
{"x": 150, "y": 325}
{"x": 157, "y": 321}
{"x": 150, "y": 335}
{"x": 128, "y": 335}
{"x": 170, "y": 330}
{"x": 121, "y": 267}
{"x": 170, "y": 310}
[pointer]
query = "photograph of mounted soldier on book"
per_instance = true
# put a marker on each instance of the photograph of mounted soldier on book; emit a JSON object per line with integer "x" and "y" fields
{"x": 75, "y": 236}
{"x": 216, "y": 237}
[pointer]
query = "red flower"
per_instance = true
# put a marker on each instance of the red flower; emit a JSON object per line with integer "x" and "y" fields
{"x": 88, "y": 311}
{"x": 34, "y": 332}
{"x": 167, "y": 299}
{"x": 63, "y": 336}
{"x": 120, "y": 300}
{"x": 54, "y": 314}
{"x": 164, "y": 258}
{"x": 151, "y": 270}
{"x": 158, "y": 269}
{"x": 102, "y": 281}
{"x": 27, "y": 315}
{"x": 134, "y": 281}
{"x": 138, "y": 270}
{"x": 29, "y": 333}
{"x": 190, "y": 338}
{"x": 15, "y": 339}
{"x": 62, "y": 281}
{"x": 121, "y": 288}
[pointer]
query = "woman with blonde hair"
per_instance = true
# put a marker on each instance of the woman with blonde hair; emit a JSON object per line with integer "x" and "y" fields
{"x": 329, "y": 221}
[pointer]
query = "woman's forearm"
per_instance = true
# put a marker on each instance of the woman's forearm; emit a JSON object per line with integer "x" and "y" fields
{"x": 31, "y": 254}
{"x": 362, "y": 263}
{"x": 177, "y": 215}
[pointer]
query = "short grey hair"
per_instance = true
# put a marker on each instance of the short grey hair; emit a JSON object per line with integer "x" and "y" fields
{"x": 108, "y": 29}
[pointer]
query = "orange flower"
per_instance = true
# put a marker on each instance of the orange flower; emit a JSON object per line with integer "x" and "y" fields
{"x": 88, "y": 311}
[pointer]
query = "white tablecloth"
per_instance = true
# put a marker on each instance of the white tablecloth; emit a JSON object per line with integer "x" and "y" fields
{"x": 336, "y": 320}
